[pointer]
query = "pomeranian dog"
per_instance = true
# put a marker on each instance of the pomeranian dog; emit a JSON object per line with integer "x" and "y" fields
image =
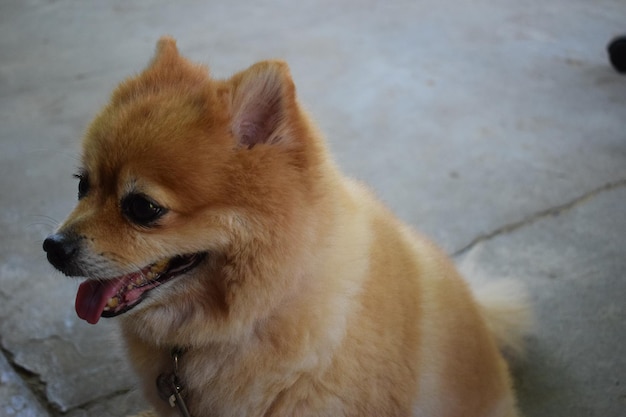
{"x": 252, "y": 278}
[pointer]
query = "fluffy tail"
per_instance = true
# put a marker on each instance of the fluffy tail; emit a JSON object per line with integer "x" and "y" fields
{"x": 506, "y": 309}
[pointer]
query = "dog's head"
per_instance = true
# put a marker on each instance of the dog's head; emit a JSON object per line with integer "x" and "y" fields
{"x": 178, "y": 170}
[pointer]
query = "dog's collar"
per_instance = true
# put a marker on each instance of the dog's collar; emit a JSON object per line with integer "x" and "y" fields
{"x": 169, "y": 386}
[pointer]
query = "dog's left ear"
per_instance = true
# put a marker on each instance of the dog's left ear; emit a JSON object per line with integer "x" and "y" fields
{"x": 263, "y": 104}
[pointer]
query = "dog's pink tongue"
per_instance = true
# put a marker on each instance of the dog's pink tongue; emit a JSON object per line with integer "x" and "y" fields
{"x": 92, "y": 297}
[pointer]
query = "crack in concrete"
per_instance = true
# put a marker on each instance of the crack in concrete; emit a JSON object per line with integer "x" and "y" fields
{"x": 37, "y": 386}
{"x": 85, "y": 406}
{"x": 552, "y": 211}
{"x": 33, "y": 382}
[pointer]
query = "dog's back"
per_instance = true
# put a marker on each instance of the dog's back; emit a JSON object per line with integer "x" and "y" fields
{"x": 416, "y": 339}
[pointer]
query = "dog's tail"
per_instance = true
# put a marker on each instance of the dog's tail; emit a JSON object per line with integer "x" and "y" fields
{"x": 506, "y": 309}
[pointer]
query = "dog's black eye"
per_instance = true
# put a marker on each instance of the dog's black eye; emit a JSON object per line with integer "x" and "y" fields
{"x": 141, "y": 210}
{"x": 83, "y": 185}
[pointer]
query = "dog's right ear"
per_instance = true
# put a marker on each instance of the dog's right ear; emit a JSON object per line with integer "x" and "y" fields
{"x": 167, "y": 68}
{"x": 263, "y": 104}
{"x": 166, "y": 53}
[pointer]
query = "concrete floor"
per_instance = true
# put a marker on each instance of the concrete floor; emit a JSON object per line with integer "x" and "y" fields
{"x": 497, "y": 127}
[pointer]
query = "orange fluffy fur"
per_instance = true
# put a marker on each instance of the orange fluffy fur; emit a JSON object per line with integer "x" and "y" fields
{"x": 314, "y": 300}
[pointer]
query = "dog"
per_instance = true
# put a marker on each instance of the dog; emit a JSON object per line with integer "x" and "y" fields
{"x": 252, "y": 278}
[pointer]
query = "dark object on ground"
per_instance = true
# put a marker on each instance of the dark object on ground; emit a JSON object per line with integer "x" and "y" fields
{"x": 617, "y": 53}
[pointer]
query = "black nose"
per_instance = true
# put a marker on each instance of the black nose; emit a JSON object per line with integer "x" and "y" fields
{"x": 60, "y": 249}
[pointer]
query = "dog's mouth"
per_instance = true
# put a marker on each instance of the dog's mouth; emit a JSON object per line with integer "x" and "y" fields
{"x": 111, "y": 297}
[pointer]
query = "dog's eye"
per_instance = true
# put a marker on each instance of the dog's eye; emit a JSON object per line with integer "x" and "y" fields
{"x": 83, "y": 185}
{"x": 141, "y": 210}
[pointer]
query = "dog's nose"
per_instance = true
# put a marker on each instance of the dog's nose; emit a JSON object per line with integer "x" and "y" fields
{"x": 60, "y": 249}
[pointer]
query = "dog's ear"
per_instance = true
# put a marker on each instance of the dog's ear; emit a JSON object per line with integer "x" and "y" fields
{"x": 263, "y": 103}
{"x": 166, "y": 53}
{"x": 167, "y": 68}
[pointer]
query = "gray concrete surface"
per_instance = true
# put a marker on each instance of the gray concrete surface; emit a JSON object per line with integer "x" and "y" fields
{"x": 497, "y": 127}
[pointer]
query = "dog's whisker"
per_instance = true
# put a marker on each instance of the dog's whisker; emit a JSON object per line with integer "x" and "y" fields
{"x": 44, "y": 220}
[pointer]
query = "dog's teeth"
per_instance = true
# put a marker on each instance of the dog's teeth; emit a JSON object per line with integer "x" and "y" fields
{"x": 112, "y": 303}
{"x": 159, "y": 266}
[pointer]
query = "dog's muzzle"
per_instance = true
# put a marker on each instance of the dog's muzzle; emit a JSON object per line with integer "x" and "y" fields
{"x": 61, "y": 250}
